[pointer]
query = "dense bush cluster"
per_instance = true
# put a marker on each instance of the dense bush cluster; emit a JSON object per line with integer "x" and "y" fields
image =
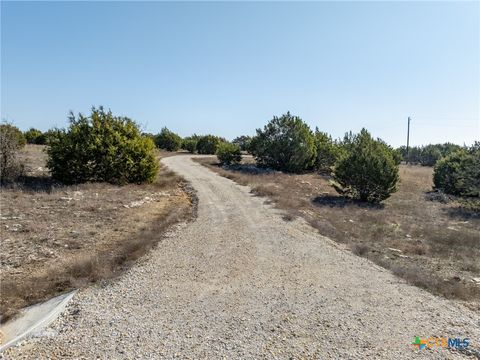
{"x": 228, "y": 153}
{"x": 168, "y": 140}
{"x": 35, "y": 136}
{"x": 459, "y": 172}
{"x": 368, "y": 171}
{"x": 14, "y": 133}
{"x": 427, "y": 155}
{"x": 11, "y": 140}
{"x": 190, "y": 143}
{"x": 101, "y": 147}
{"x": 285, "y": 143}
{"x": 48, "y": 135}
{"x": 363, "y": 168}
{"x": 208, "y": 144}
{"x": 243, "y": 142}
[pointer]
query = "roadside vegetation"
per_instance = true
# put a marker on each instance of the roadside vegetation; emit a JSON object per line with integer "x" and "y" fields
{"x": 228, "y": 154}
{"x": 367, "y": 171}
{"x": 285, "y": 143}
{"x": 82, "y": 208}
{"x": 101, "y": 148}
{"x": 168, "y": 140}
{"x": 420, "y": 222}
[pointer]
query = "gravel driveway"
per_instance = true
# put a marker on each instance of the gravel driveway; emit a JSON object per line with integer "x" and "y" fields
{"x": 242, "y": 283}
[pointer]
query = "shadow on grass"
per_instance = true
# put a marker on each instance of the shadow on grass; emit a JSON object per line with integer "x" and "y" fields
{"x": 250, "y": 169}
{"x": 461, "y": 213}
{"x": 34, "y": 184}
{"x": 465, "y": 208}
{"x": 31, "y": 183}
{"x": 334, "y": 201}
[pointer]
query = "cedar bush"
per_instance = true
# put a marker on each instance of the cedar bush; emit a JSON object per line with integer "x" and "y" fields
{"x": 190, "y": 145}
{"x": 208, "y": 144}
{"x": 368, "y": 172}
{"x": 101, "y": 147}
{"x": 427, "y": 155}
{"x": 328, "y": 151}
{"x": 459, "y": 172}
{"x": 243, "y": 142}
{"x": 15, "y": 133}
{"x": 286, "y": 143}
{"x": 228, "y": 153}
{"x": 49, "y": 135}
{"x": 168, "y": 140}
{"x": 35, "y": 136}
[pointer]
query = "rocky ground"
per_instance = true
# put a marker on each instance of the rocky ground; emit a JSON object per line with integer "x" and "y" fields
{"x": 55, "y": 237}
{"x": 240, "y": 282}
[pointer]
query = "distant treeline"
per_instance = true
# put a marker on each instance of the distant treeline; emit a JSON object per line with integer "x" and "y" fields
{"x": 427, "y": 155}
{"x": 104, "y": 147}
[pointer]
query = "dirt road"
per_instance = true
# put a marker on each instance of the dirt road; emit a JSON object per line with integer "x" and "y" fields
{"x": 240, "y": 282}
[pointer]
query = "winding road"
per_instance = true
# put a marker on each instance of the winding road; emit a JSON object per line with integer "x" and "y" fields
{"x": 241, "y": 283}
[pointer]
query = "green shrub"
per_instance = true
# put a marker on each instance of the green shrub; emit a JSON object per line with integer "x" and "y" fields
{"x": 190, "y": 145}
{"x": 35, "y": 136}
{"x": 243, "y": 142}
{"x": 10, "y": 143}
{"x": 101, "y": 147}
{"x": 328, "y": 151}
{"x": 286, "y": 143}
{"x": 149, "y": 135}
{"x": 397, "y": 156}
{"x": 368, "y": 172}
{"x": 228, "y": 153}
{"x": 459, "y": 172}
{"x": 14, "y": 132}
{"x": 427, "y": 155}
{"x": 168, "y": 140}
{"x": 208, "y": 144}
{"x": 50, "y": 134}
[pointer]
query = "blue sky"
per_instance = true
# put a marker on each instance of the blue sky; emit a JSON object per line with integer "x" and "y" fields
{"x": 227, "y": 67}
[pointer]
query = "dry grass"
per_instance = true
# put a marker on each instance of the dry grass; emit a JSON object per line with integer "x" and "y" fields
{"x": 55, "y": 237}
{"x": 431, "y": 244}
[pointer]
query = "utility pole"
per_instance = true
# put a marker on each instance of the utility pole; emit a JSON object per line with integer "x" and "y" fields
{"x": 408, "y": 137}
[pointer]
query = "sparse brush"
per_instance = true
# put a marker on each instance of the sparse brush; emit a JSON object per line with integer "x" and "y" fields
{"x": 360, "y": 249}
{"x": 11, "y": 141}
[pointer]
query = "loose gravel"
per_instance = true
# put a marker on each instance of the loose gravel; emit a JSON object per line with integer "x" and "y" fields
{"x": 241, "y": 283}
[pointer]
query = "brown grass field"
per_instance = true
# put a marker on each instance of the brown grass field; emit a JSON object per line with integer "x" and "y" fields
{"x": 55, "y": 237}
{"x": 430, "y": 244}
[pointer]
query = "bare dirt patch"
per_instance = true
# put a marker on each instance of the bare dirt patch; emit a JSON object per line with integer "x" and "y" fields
{"x": 55, "y": 237}
{"x": 431, "y": 244}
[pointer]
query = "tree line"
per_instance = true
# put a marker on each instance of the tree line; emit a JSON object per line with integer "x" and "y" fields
{"x": 104, "y": 147}
{"x": 427, "y": 155}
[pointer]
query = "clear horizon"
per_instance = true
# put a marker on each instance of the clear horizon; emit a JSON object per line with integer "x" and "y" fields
{"x": 228, "y": 68}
